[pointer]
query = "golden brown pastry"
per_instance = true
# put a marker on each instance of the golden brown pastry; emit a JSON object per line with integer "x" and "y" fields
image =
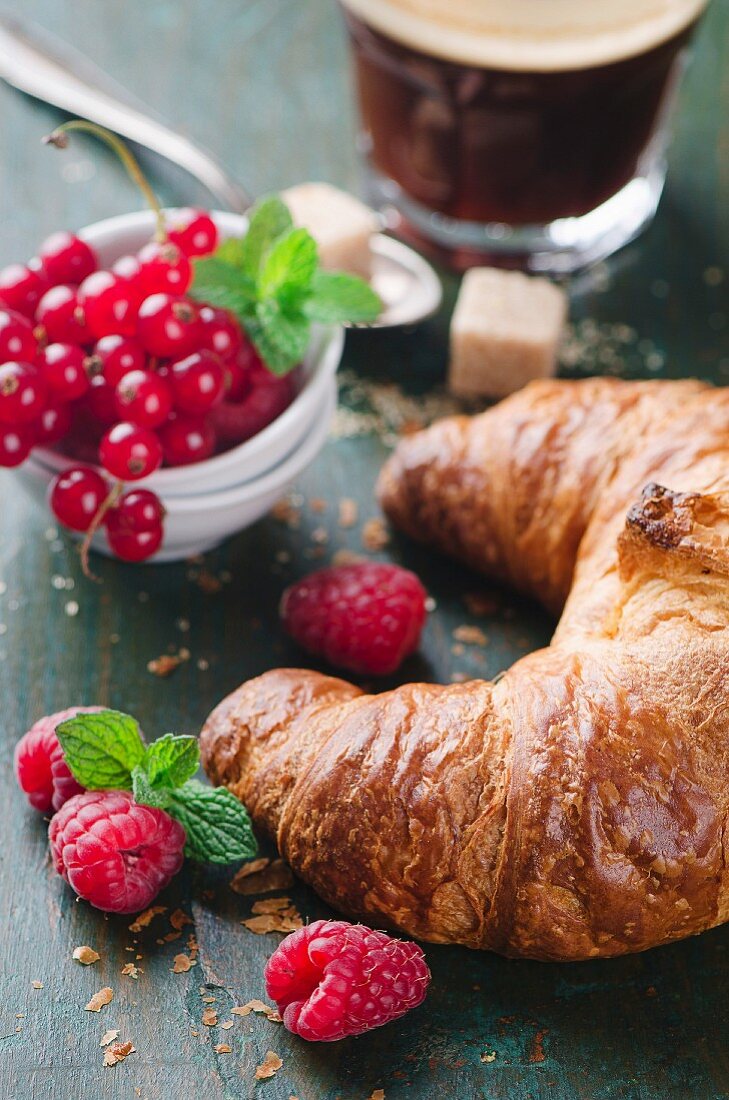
{"x": 578, "y": 806}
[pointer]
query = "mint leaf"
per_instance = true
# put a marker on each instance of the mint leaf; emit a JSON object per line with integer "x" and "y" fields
{"x": 268, "y": 220}
{"x": 102, "y": 749}
{"x": 289, "y": 264}
{"x": 215, "y": 277}
{"x": 170, "y": 760}
{"x": 217, "y": 825}
{"x": 232, "y": 251}
{"x": 145, "y": 793}
{"x": 336, "y": 297}
{"x": 281, "y": 337}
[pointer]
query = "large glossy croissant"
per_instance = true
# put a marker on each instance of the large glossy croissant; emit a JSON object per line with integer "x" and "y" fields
{"x": 578, "y": 806}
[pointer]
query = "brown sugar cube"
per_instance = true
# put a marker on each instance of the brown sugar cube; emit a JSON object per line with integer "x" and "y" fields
{"x": 341, "y": 225}
{"x": 505, "y": 332}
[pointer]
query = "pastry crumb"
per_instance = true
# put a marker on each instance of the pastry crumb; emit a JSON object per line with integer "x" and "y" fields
{"x": 85, "y": 955}
{"x": 269, "y": 1067}
{"x": 257, "y": 1007}
{"x": 166, "y": 664}
{"x": 285, "y": 920}
{"x": 271, "y": 905}
{"x": 262, "y": 876}
{"x": 100, "y": 999}
{"x": 375, "y": 535}
{"x": 470, "y": 635}
{"x": 144, "y": 919}
{"x": 348, "y": 512}
{"x": 117, "y": 1053}
{"x": 182, "y": 963}
{"x": 179, "y": 919}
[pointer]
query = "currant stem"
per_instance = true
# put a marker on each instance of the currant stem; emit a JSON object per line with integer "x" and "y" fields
{"x": 59, "y": 139}
{"x": 112, "y": 499}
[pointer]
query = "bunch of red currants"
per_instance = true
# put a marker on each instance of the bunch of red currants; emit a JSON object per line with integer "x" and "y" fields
{"x": 123, "y": 369}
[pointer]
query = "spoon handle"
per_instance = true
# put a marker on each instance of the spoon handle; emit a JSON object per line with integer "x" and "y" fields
{"x": 38, "y": 64}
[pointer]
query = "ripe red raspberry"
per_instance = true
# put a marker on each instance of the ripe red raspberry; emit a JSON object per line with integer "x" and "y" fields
{"x": 114, "y": 853}
{"x": 366, "y": 617}
{"x": 40, "y": 767}
{"x": 332, "y": 979}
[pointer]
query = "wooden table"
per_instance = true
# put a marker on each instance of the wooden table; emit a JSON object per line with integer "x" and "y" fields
{"x": 264, "y": 84}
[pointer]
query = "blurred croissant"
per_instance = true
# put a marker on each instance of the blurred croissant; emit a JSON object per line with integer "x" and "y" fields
{"x": 578, "y": 806}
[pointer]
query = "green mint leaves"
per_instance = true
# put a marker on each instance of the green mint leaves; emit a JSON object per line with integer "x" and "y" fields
{"x": 272, "y": 281}
{"x": 216, "y": 829}
{"x": 102, "y": 749}
{"x": 106, "y": 751}
{"x": 170, "y": 761}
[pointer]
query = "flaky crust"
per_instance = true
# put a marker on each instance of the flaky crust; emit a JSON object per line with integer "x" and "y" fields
{"x": 578, "y": 806}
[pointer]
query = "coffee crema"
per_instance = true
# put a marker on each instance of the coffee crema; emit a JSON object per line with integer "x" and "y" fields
{"x": 529, "y": 35}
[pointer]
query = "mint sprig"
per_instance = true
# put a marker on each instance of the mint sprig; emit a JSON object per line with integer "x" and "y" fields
{"x": 272, "y": 280}
{"x": 106, "y": 751}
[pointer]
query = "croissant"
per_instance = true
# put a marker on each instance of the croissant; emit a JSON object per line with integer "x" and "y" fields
{"x": 578, "y": 806}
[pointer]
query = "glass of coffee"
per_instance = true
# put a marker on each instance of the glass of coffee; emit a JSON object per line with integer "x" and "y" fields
{"x": 530, "y": 133}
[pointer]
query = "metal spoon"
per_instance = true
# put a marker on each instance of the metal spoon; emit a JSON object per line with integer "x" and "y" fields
{"x": 40, "y": 65}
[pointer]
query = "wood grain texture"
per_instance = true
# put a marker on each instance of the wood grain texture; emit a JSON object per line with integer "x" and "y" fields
{"x": 263, "y": 82}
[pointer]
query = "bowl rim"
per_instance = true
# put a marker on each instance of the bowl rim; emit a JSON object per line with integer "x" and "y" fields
{"x": 291, "y": 466}
{"x": 287, "y": 469}
{"x": 323, "y": 354}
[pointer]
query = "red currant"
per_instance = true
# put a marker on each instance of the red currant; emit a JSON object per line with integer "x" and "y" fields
{"x": 137, "y": 510}
{"x": 221, "y": 332}
{"x": 135, "y": 545}
{"x": 186, "y": 439}
{"x": 16, "y": 337}
{"x": 129, "y": 270}
{"x": 61, "y": 317}
{"x": 168, "y": 326}
{"x": 198, "y": 382}
{"x": 65, "y": 258}
{"x": 54, "y": 423}
{"x": 129, "y": 452}
{"x": 117, "y": 355}
{"x": 194, "y": 231}
{"x": 23, "y": 393}
{"x": 76, "y": 495}
{"x": 109, "y": 304}
{"x": 143, "y": 398}
{"x": 64, "y": 367}
{"x": 16, "y": 441}
{"x": 134, "y": 527}
{"x": 21, "y": 288}
{"x": 101, "y": 401}
{"x": 163, "y": 269}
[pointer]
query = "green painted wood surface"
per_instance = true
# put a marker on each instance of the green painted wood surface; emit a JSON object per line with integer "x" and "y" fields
{"x": 263, "y": 82}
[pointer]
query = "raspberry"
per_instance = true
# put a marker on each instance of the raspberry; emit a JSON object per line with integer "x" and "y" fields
{"x": 40, "y": 767}
{"x": 332, "y": 979}
{"x": 114, "y": 853}
{"x": 365, "y": 617}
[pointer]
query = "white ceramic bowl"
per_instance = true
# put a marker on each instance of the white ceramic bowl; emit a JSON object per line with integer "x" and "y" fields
{"x": 208, "y": 501}
{"x": 115, "y": 237}
{"x": 200, "y": 521}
